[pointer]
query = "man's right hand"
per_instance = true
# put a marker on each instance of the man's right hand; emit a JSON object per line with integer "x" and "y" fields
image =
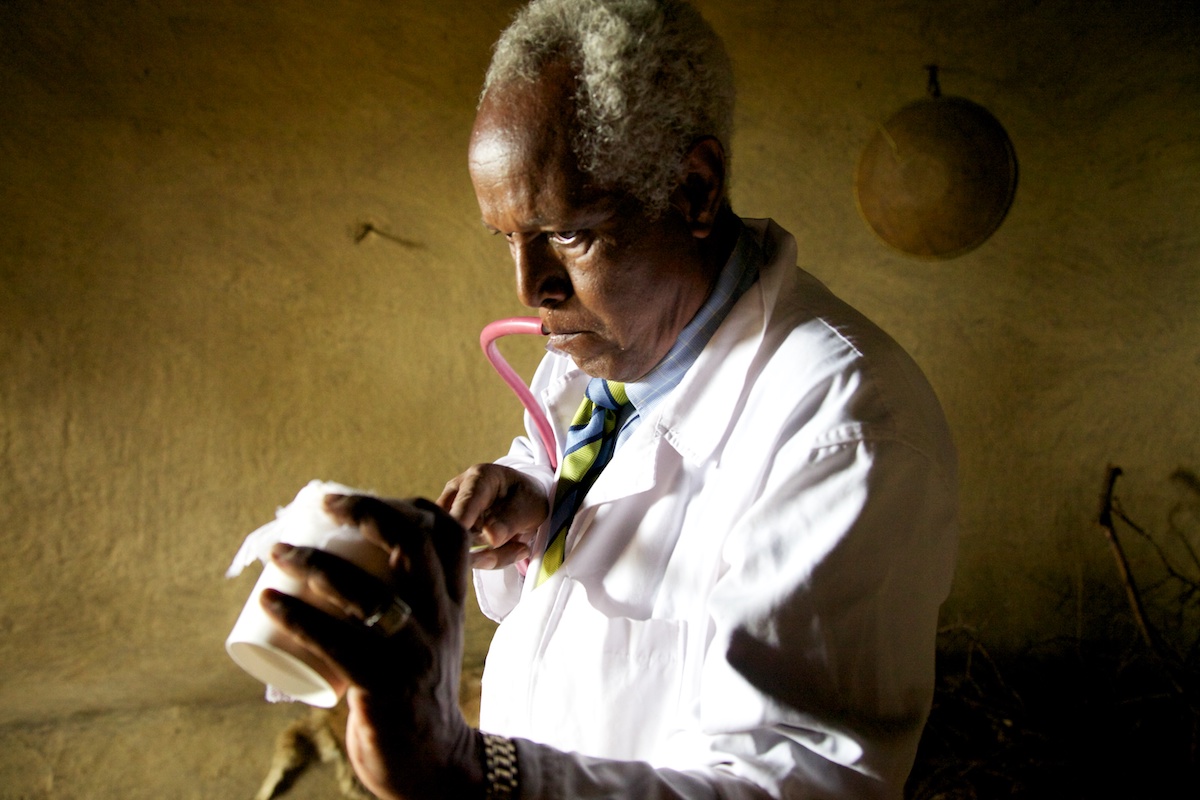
{"x": 501, "y": 508}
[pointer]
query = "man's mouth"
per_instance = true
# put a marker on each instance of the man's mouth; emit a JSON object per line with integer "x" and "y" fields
{"x": 562, "y": 333}
{"x": 558, "y": 330}
{"x": 563, "y": 341}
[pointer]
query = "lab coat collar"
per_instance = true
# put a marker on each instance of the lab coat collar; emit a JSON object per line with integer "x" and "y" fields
{"x": 694, "y": 418}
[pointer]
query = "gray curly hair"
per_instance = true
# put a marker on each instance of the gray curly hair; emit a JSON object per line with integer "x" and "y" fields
{"x": 652, "y": 78}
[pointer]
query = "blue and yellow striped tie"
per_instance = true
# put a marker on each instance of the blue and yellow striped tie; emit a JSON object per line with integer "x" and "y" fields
{"x": 589, "y": 446}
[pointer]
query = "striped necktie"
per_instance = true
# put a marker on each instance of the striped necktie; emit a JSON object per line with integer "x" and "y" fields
{"x": 590, "y": 443}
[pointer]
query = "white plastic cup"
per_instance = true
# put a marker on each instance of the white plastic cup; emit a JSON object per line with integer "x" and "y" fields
{"x": 263, "y": 649}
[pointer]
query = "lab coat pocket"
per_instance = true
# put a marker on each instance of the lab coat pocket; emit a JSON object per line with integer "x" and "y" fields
{"x": 606, "y": 686}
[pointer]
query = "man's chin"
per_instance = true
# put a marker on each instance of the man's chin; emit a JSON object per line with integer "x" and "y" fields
{"x": 597, "y": 357}
{"x": 608, "y": 368}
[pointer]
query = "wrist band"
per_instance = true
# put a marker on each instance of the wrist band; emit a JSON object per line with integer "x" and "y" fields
{"x": 500, "y": 766}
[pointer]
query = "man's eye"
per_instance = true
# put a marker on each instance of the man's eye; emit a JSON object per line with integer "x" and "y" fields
{"x": 567, "y": 237}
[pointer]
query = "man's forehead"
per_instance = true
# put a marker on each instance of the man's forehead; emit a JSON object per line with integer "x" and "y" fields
{"x": 522, "y": 157}
{"x": 521, "y": 104}
{"x": 494, "y": 143}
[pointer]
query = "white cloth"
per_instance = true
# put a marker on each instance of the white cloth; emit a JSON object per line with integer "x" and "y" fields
{"x": 749, "y": 602}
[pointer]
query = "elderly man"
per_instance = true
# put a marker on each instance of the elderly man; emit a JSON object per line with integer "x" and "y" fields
{"x": 730, "y": 586}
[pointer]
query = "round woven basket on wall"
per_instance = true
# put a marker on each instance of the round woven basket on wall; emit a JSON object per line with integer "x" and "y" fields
{"x": 936, "y": 180}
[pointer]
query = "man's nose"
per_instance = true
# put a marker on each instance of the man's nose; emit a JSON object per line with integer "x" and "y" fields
{"x": 541, "y": 278}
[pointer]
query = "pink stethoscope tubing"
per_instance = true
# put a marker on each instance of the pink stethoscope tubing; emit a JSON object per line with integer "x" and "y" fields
{"x": 487, "y": 340}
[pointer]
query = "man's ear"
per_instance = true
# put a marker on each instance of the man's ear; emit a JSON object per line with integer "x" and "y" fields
{"x": 701, "y": 190}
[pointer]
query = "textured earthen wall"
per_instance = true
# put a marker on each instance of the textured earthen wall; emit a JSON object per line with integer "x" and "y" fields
{"x": 192, "y": 326}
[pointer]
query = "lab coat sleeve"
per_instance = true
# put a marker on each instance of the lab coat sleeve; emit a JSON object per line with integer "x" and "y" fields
{"x": 546, "y": 773}
{"x": 528, "y": 458}
{"x": 499, "y": 590}
{"x": 826, "y": 618}
{"x": 818, "y": 673}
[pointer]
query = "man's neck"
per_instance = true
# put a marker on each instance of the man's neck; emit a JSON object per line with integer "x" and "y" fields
{"x": 718, "y": 246}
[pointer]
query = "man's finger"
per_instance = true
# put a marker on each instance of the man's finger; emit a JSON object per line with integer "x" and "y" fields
{"x": 428, "y": 545}
{"x": 474, "y": 494}
{"x": 349, "y": 646}
{"x": 404, "y": 530}
{"x": 335, "y": 582}
{"x": 496, "y": 557}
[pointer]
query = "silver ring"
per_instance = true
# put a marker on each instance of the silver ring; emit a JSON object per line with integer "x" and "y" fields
{"x": 391, "y": 618}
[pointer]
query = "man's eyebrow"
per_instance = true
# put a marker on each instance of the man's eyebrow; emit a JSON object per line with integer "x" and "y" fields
{"x": 536, "y": 224}
{"x": 584, "y": 218}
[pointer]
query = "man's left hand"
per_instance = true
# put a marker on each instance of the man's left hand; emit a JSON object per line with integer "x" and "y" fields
{"x": 405, "y": 736}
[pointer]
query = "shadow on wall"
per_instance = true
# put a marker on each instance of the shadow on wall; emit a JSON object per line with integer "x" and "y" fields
{"x": 1068, "y": 717}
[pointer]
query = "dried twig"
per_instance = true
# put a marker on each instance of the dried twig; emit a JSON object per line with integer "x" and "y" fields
{"x": 1131, "y": 590}
{"x": 1172, "y": 666}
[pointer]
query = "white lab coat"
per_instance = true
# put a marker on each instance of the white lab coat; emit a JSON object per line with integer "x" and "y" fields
{"x": 749, "y": 602}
